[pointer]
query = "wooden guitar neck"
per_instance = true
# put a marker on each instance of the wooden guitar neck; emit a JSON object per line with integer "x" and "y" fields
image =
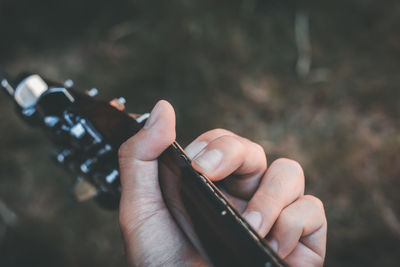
{"x": 88, "y": 133}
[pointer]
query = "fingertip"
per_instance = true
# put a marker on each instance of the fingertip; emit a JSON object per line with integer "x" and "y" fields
{"x": 195, "y": 148}
{"x": 160, "y": 130}
{"x": 208, "y": 161}
{"x": 254, "y": 218}
{"x": 162, "y": 110}
{"x": 168, "y": 109}
{"x": 157, "y": 134}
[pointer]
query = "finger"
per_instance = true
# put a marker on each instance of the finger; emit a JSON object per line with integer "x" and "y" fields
{"x": 303, "y": 218}
{"x": 203, "y": 140}
{"x": 144, "y": 218}
{"x": 157, "y": 134}
{"x": 281, "y": 185}
{"x": 138, "y": 162}
{"x": 231, "y": 154}
{"x": 228, "y": 154}
{"x": 304, "y": 256}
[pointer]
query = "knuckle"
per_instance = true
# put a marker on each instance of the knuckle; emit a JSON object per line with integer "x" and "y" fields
{"x": 220, "y": 131}
{"x": 254, "y": 153}
{"x": 294, "y": 165}
{"x": 127, "y": 149}
{"x": 259, "y": 148}
{"x": 124, "y": 149}
{"x": 261, "y": 152}
{"x": 290, "y": 219}
{"x": 287, "y": 175}
{"x": 291, "y": 165}
{"x": 316, "y": 202}
{"x": 228, "y": 139}
{"x": 215, "y": 133}
{"x": 262, "y": 197}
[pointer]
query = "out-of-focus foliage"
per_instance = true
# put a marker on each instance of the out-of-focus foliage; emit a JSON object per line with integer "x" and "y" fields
{"x": 227, "y": 64}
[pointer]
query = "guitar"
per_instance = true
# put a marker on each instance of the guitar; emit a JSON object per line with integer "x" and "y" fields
{"x": 87, "y": 134}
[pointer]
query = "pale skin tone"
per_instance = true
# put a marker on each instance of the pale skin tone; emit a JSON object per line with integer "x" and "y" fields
{"x": 270, "y": 197}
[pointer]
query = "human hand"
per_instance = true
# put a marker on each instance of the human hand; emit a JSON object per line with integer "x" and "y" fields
{"x": 272, "y": 199}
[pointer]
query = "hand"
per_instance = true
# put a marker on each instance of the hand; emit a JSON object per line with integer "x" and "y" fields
{"x": 272, "y": 199}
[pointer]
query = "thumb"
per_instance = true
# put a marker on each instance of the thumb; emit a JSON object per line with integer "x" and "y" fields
{"x": 140, "y": 193}
{"x": 157, "y": 134}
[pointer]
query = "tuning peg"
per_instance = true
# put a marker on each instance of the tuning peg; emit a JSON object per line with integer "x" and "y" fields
{"x": 51, "y": 121}
{"x": 68, "y": 83}
{"x": 118, "y": 103}
{"x": 77, "y": 131}
{"x": 112, "y": 176}
{"x": 7, "y": 87}
{"x": 87, "y": 165}
{"x": 122, "y": 100}
{"x": 92, "y": 92}
{"x": 63, "y": 155}
{"x": 143, "y": 117}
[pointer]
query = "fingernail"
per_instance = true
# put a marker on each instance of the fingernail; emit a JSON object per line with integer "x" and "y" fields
{"x": 253, "y": 218}
{"x": 208, "y": 160}
{"x": 153, "y": 116}
{"x": 194, "y": 148}
{"x": 273, "y": 244}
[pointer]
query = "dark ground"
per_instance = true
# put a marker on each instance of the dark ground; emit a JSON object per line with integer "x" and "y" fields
{"x": 227, "y": 64}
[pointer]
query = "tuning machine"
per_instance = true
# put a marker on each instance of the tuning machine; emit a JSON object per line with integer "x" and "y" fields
{"x": 68, "y": 83}
{"x": 63, "y": 156}
{"x": 7, "y": 87}
{"x": 118, "y": 103}
{"x": 82, "y": 133}
{"x": 92, "y": 92}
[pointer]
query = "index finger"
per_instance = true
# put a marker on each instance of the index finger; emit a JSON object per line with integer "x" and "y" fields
{"x": 220, "y": 153}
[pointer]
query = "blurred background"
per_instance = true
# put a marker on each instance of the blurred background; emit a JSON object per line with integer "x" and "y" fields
{"x": 315, "y": 81}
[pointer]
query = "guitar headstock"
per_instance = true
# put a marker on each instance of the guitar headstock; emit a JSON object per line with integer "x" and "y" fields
{"x": 86, "y": 132}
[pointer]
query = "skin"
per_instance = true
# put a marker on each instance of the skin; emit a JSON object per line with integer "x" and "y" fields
{"x": 271, "y": 198}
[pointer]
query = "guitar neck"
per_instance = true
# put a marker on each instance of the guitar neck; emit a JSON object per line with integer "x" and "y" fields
{"x": 201, "y": 210}
{"x": 88, "y": 133}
